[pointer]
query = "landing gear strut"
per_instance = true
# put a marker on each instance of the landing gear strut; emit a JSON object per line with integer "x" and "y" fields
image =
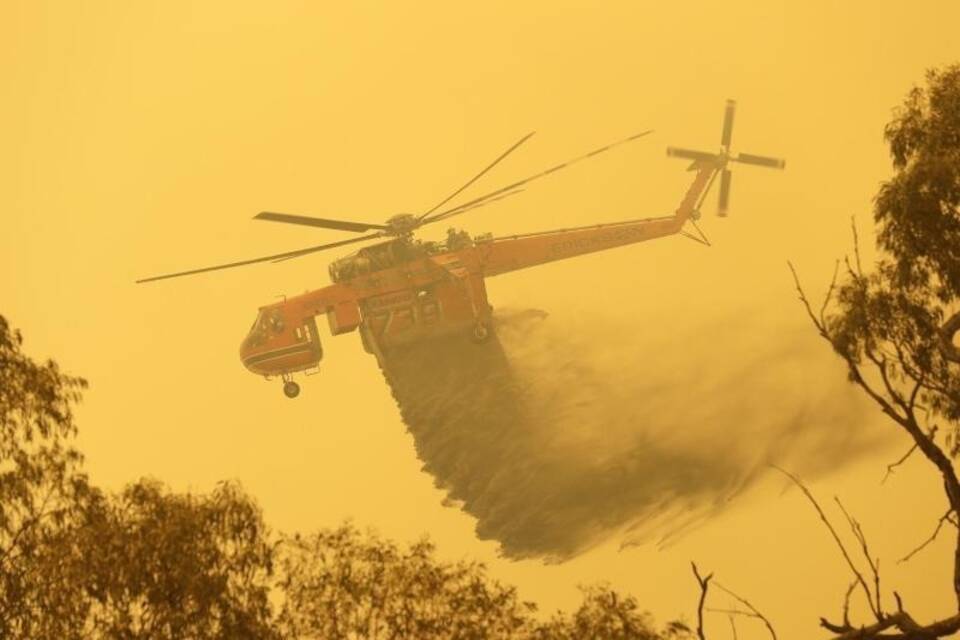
{"x": 291, "y": 389}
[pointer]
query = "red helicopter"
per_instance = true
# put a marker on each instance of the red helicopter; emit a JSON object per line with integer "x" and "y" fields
{"x": 403, "y": 289}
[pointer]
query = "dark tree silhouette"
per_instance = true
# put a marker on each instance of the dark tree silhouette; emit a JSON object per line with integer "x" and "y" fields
{"x": 342, "y": 584}
{"x": 156, "y": 564}
{"x": 895, "y": 325}
{"x": 604, "y": 613}
{"x": 41, "y": 491}
{"x": 77, "y": 563}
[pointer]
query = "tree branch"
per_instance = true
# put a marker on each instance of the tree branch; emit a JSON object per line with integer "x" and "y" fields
{"x": 893, "y": 465}
{"x": 874, "y": 564}
{"x": 836, "y": 538}
{"x": 944, "y": 518}
{"x": 27, "y": 523}
{"x": 881, "y": 364}
{"x": 856, "y": 244}
{"x": 846, "y": 603}
{"x": 817, "y": 322}
{"x": 704, "y": 585}
{"x": 754, "y": 613}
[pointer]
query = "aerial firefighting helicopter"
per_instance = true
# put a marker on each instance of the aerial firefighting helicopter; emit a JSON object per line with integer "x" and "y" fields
{"x": 403, "y": 289}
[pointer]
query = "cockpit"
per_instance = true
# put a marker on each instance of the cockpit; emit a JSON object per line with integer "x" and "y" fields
{"x": 269, "y": 322}
{"x": 279, "y": 344}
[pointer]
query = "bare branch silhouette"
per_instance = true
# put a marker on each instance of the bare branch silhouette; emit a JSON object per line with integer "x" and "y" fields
{"x": 704, "y": 586}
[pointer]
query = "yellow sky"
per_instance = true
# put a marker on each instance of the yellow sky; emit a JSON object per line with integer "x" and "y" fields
{"x": 139, "y": 138}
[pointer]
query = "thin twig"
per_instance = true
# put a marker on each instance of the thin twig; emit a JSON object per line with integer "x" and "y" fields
{"x": 944, "y": 518}
{"x": 856, "y": 245}
{"x": 826, "y": 298}
{"x": 836, "y": 537}
{"x": 881, "y": 364}
{"x": 891, "y": 467}
{"x": 731, "y": 612}
{"x": 753, "y": 609}
{"x": 806, "y": 303}
{"x": 874, "y": 564}
{"x": 846, "y": 603}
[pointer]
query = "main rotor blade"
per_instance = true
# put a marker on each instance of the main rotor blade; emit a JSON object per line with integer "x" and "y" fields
{"x": 763, "y": 161}
{"x": 511, "y": 187}
{"x": 290, "y": 254}
{"x": 728, "y": 124}
{"x": 725, "y": 178}
{"x": 465, "y": 208}
{"x": 690, "y": 153}
{"x": 477, "y": 177}
{"x": 341, "y": 225}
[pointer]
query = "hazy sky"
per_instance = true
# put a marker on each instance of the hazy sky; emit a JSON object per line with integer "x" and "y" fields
{"x": 139, "y": 138}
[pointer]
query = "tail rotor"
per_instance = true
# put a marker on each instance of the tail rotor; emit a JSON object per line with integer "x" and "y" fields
{"x": 720, "y": 160}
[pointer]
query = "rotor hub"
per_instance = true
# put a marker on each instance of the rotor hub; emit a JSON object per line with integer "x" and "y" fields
{"x": 402, "y": 224}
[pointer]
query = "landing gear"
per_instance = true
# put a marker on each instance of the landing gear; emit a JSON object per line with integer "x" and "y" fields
{"x": 481, "y": 332}
{"x": 291, "y": 389}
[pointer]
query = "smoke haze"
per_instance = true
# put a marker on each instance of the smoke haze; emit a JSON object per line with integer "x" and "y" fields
{"x": 557, "y": 435}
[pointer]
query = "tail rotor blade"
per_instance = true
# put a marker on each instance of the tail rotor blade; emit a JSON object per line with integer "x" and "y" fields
{"x": 763, "y": 161}
{"x": 690, "y": 154}
{"x": 728, "y": 124}
{"x": 725, "y": 179}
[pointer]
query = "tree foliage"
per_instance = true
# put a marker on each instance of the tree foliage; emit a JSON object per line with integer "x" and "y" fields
{"x": 341, "y": 584}
{"x": 41, "y": 489}
{"x": 900, "y": 318}
{"x": 344, "y": 584}
{"x": 895, "y": 324}
{"x": 605, "y": 613}
{"x": 76, "y": 562}
{"x": 917, "y": 209}
{"x": 157, "y": 564}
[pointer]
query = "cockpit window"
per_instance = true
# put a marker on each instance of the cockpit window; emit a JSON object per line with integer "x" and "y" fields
{"x": 275, "y": 321}
{"x": 267, "y": 323}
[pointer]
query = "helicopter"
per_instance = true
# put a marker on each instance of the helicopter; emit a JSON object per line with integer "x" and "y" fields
{"x": 402, "y": 289}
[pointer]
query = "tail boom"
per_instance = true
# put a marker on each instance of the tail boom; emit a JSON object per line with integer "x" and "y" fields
{"x": 511, "y": 253}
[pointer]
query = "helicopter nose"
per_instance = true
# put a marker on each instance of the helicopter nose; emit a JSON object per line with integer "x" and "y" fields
{"x": 252, "y": 344}
{"x": 245, "y": 352}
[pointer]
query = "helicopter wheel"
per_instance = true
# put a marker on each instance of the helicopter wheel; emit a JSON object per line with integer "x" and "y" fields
{"x": 291, "y": 389}
{"x": 481, "y": 333}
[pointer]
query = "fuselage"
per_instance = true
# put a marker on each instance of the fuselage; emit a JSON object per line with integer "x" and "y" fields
{"x": 405, "y": 290}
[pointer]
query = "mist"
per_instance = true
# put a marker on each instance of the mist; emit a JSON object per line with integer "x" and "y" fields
{"x": 558, "y": 435}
